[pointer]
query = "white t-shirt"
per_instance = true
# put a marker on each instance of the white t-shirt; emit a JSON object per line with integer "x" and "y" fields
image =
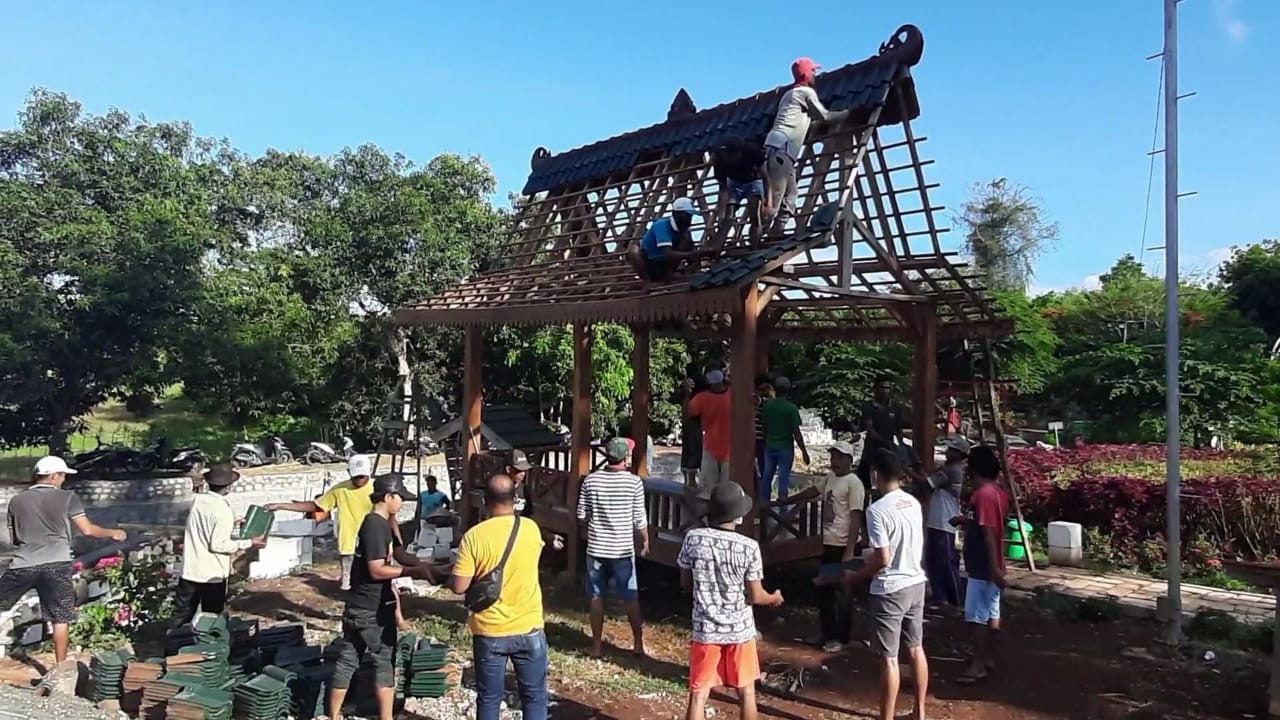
{"x": 895, "y": 521}
{"x": 840, "y": 495}
{"x": 944, "y": 503}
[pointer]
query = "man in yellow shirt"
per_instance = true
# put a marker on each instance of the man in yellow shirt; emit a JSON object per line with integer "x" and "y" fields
{"x": 353, "y": 500}
{"x": 511, "y": 628}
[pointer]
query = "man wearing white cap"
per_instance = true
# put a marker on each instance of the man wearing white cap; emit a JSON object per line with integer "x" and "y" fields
{"x": 666, "y": 243}
{"x": 843, "y": 498}
{"x": 352, "y": 498}
{"x": 942, "y": 561}
{"x": 40, "y": 521}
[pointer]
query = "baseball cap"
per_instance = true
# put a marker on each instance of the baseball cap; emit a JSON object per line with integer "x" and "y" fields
{"x": 844, "y": 447}
{"x": 715, "y": 377}
{"x": 520, "y": 461}
{"x": 782, "y": 383}
{"x": 391, "y": 484}
{"x": 804, "y": 67}
{"x": 52, "y": 465}
{"x": 616, "y": 449}
{"x": 359, "y": 466}
{"x": 685, "y": 205}
{"x": 960, "y": 445}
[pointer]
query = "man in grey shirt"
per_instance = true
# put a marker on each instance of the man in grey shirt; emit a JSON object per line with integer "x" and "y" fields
{"x": 798, "y": 107}
{"x": 40, "y": 520}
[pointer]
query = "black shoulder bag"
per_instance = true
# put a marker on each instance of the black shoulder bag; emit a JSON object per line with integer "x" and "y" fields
{"x": 484, "y": 590}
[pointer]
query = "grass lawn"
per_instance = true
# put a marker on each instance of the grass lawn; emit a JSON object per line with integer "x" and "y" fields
{"x": 174, "y": 416}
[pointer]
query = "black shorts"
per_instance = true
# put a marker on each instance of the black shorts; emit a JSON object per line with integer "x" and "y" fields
{"x": 657, "y": 269}
{"x": 371, "y": 636}
{"x": 52, "y": 582}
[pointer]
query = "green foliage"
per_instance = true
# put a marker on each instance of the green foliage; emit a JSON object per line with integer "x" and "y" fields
{"x": 836, "y": 377}
{"x": 107, "y": 220}
{"x": 1252, "y": 279}
{"x": 1005, "y": 231}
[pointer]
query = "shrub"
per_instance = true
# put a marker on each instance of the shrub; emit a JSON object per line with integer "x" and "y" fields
{"x": 139, "y": 593}
{"x": 1234, "y": 515}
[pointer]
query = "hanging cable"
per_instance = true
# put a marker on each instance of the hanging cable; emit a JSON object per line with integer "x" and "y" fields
{"x": 1151, "y": 170}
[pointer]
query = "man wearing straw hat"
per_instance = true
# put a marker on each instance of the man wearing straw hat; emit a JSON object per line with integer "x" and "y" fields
{"x": 208, "y": 544}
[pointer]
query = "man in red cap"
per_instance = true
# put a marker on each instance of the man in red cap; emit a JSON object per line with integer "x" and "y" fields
{"x": 798, "y": 107}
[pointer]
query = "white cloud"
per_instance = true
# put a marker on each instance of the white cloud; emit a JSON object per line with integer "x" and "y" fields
{"x": 1225, "y": 13}
{"x": 1090, "y": 282}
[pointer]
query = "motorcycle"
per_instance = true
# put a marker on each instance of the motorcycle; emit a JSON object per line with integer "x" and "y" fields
{"x": 319, "y": 452}
{"x": 149, "y": 458}
{"x": 270, "y": 452}
{"x": 93, "y": 461}
{"x": 422, "y": 446}
{"x": 185, "y": 459}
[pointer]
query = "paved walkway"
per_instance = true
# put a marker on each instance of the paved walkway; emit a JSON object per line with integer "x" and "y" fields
{"x": 1138, "y": 594}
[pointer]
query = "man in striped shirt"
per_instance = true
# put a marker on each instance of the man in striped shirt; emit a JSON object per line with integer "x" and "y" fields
{"x": 611, "y": 504}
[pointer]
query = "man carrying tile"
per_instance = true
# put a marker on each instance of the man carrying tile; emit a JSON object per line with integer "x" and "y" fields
{"x": 667, "y": 243}
{"x": 797, "y": 109}
{"x": 40, "y": 522}
{"x": 208, "y": 544}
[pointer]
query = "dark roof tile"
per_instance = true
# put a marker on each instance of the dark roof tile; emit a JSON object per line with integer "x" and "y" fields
{"x": 862, "y": 86}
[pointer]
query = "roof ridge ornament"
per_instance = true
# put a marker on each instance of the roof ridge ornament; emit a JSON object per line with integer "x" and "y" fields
{"x": 539, "y": 155}
{"x": 906, "y": 45}
{"x": 681, "y": 107}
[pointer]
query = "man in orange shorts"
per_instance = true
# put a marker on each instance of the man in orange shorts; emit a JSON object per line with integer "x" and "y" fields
{"x": 718, "y": 563}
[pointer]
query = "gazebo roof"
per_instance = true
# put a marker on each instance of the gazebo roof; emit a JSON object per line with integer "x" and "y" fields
{"x": 864, "y": 256}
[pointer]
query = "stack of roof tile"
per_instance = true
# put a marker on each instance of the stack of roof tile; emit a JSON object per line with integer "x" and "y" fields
{"x": 262, "y": 697}
{"x": 200, "y": 704}
{"x": 157, "y": 694}
{"x": 426, "y": 672}
{"x": 106, "y": 672}
{"x": 136, "y": 676}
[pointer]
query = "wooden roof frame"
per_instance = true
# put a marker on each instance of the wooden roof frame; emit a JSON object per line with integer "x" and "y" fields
{"x": 864, "y": 262}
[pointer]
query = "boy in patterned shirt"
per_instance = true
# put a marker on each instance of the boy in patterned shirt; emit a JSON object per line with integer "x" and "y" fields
{"x": 723, "y": 569}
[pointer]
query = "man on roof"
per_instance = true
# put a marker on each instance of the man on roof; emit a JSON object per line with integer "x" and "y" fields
{"x": 797, "y": 109}
{"x": 739, "y": 169}
{"x": 666, "y": 243}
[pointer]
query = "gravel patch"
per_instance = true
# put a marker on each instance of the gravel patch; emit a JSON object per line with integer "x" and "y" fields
{"x": 19, "y": 703}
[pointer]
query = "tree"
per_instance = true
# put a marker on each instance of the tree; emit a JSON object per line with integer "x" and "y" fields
{"x": 1005, "y": 232}
{"x": 1252, "y": 280}
{"x": 106, "y": 222}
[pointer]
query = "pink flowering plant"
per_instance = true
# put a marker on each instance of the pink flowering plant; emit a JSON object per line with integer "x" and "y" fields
{"x": 139, "y": 593}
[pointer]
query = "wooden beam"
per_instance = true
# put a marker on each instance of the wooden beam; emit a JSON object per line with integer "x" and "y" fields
{"x": 924, "y": 431}
{"x": 472, "y": 404}
{"x": 580, "y": 429}
{"x": 1002, "y": 446}
{"x": 742, "y": 431}
{"x": 879, "y": 297}
{"x": 640, "y": 401}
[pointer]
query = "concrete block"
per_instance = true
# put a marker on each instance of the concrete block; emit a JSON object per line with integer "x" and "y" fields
{"x": 1066, "y": 556}
{"x": 32, "y": 634}
{"x": 444, "y": 535}
{"x": 294, "y": 528}
{"x": 442, "y": 552}
{"x": 1066, "y": 534}
{"x": 98, "y": 588}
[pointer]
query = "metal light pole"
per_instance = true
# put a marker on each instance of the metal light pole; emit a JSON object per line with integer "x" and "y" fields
{"x": 1173, "y": 517}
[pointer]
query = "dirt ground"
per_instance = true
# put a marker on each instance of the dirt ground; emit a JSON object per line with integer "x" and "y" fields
{"x": 1049, "y": 668}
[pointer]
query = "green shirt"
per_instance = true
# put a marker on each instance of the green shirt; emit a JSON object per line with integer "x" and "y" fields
{"x": 781, "y": 419}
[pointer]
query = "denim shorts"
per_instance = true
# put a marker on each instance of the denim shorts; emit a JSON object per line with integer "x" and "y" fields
{"x": 742, "y": 191}
{"x": 981, "y": 601}
{"x": 620, "y": 572}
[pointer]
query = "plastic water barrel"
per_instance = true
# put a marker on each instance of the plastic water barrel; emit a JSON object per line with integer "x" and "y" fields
{"x": 1013, "y": 549}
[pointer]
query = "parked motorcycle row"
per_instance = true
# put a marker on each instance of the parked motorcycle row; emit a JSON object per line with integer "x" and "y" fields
{"x": 107, "y": 460}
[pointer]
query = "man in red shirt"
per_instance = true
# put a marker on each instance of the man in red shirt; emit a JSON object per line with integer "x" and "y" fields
{"x": 712, "y": 407}
{"x": 984, "y": 558}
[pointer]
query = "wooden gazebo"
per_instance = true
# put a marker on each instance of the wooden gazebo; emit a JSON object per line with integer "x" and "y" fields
{"x": 863, "y": 264}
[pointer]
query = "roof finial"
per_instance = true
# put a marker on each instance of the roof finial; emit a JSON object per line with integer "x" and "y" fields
{"x": 682, "y": 106}
{"x": 539, "y": 155}
{"x": 907, "y": 43}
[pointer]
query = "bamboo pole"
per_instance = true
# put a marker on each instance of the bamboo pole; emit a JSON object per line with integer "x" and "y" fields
{"x": 1003, "y": 448}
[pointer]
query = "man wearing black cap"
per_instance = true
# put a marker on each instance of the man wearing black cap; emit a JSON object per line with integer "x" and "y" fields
{"x": 516, "y": 469}
{"x": 208, "y": 544}
{"x": 369, "y": 621}
{"x": 723, "y": 568}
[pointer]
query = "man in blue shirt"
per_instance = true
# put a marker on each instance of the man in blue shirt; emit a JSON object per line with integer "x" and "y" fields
{"x": 666, "y": 243}
{"x": 432, "y": 499}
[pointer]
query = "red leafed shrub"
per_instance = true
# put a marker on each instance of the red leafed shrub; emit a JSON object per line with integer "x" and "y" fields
{"x": 1237, "y": 513}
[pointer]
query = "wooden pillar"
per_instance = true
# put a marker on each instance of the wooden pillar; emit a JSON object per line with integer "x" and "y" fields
{"x": 742, "y": 432}
{"x": 640, "y": 401}
{"x": 472, "y": 402}
{"x": 925, "y": 391}
{"x": 580, "y": 453}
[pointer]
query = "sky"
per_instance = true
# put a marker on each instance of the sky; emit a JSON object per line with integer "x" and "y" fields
{"x": 1057, "y": 97}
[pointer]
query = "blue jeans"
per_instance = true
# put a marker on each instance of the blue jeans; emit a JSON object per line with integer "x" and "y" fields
{"x": 528, "y": 653}
{"x": 777, "y": 462}
{"x": 617, "y": 572}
